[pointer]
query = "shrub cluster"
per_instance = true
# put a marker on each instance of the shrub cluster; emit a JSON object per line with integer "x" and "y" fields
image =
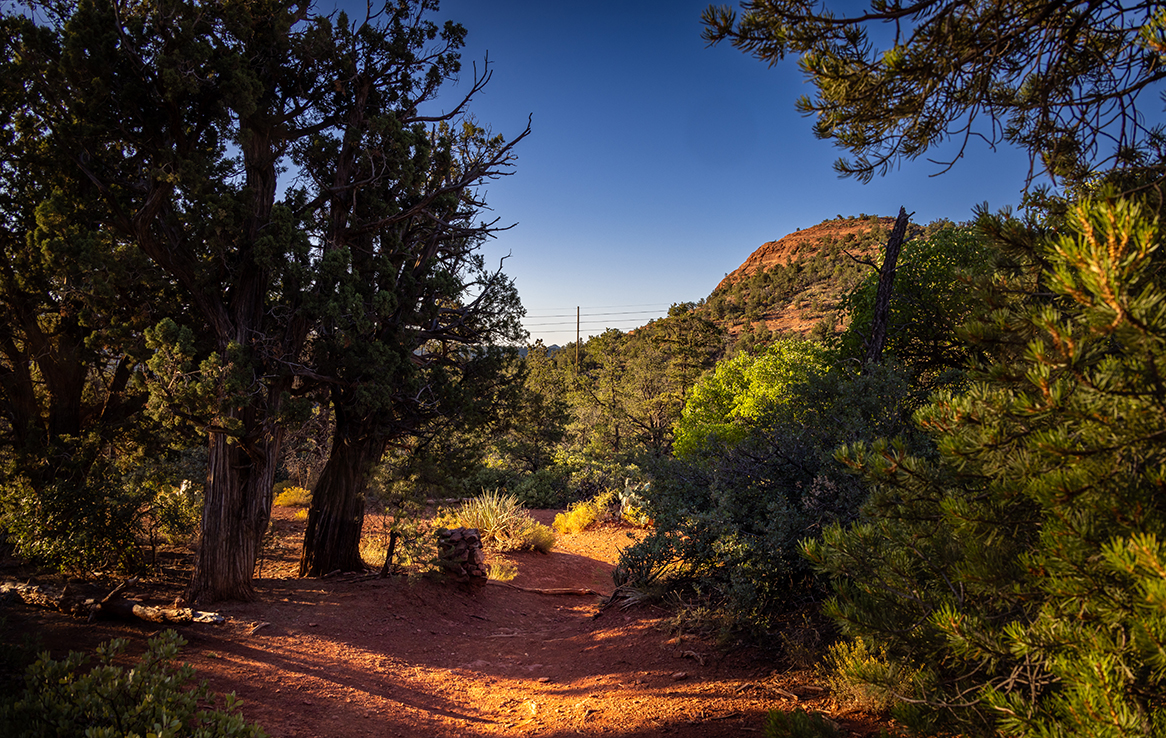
{"x": 729, "y": 518}
{"x": 61, "y": 699}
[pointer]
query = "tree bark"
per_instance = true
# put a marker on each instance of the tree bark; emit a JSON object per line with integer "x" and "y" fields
{"x": 336, "y": 516}
{"x": 878, "y": 327}
{"x": 236, "y": 511}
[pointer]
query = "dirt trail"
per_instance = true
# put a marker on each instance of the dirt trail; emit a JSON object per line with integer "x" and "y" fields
{"x": 413, "y": 657}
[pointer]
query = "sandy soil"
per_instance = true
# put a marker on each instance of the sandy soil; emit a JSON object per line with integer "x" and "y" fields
{"x": 408, "y": 656}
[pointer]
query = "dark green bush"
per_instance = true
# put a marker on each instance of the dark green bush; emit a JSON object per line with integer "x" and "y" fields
{"x": 730, "y": 518}
{"x": 544, "y": 489}
{"x": 60, "y": 700}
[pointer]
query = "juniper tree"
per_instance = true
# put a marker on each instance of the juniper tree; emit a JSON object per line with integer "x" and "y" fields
{"x": 76, "y": 298}
{"x": 406, "y": 315}
{"x": 184, "y": 117}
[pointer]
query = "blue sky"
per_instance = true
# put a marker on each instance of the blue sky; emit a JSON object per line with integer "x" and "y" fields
{"x": 657, "y": 164}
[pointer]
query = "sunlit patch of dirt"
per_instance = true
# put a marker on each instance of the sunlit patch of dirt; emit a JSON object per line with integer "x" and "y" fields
{"x": 413, "y": 656}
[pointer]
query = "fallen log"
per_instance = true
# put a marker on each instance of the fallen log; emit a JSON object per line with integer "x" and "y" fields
{"x": 82, "y": 603}
{"x": 552, "y": 591}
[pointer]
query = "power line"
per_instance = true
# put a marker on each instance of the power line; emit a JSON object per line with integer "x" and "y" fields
{"x": 592, "y": 317}
{"x": 592, "y": 324}
{"x": 571, "y": 315}
{"x": 605, "y": 307}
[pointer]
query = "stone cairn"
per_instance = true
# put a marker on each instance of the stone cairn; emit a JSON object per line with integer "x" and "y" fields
{"x": 460, "y": 554}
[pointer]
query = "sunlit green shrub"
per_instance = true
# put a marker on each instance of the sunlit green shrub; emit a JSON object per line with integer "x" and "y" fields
{"x": 62, "y": 699}
{"x": 729, "y": 518}
{"x": 862, "y": 676}
{"x": 743, "y": 393}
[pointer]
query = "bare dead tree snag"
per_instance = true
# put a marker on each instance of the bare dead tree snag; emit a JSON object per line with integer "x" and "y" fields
{"x": 878, "y": 327}
{"x": 387, "y": 569}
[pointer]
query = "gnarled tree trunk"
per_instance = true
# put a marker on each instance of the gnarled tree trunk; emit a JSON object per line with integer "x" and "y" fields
{"x": 336, "y": 516}
{"x": 236, "y": 511}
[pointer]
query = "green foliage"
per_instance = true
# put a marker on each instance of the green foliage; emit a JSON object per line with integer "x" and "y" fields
{"x": 103, "y": 522}
{"x": 731, "y": 403}
{"x": 61, "y": 699}
{"x": 862, "y": 676}
{"x": 533, "y": 419}
{"x": 630, "y": 388}
{"x": 729, "y": 519}
{"x": 933, "y": 295}
{"x": 1024, "y": 566}
{"x": 546, "y": 488}
{"x": 798, "y": 724}
{"x": 503, "y": 523}
{"x": 176, "y": 512}
{"x": 1061, "y": 81}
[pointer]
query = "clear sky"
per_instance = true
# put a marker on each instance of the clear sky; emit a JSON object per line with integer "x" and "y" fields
{"x": 656, "y": 164}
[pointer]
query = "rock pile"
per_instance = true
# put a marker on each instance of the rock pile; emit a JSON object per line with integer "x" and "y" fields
{"x": 460, "y": 554}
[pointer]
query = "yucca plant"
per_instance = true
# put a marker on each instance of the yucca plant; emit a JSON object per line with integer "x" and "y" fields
{"x": 503, "y": 523}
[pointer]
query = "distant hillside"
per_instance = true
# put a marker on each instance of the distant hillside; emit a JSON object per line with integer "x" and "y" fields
{"x": 793, "y": 286}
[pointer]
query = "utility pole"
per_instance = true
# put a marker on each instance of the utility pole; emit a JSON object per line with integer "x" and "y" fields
{"x": 576, "y": 340}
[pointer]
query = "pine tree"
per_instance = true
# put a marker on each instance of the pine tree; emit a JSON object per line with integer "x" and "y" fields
{"x": 1063, "y": 81}
{"x": 1021, "y": 567}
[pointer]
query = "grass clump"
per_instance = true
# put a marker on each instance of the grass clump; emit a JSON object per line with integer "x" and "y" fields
{"x": 293, "y": 497}
{"x": 799, "y": 724}
{"x": 582, "y": 515}
{"x": 503, "y": 523}
{"x": 503, "y": 571}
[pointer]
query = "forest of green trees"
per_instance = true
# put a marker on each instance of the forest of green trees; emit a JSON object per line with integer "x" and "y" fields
{"x": 972, "y": 518}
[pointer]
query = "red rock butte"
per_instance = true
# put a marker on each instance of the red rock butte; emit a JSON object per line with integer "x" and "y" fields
{"x": 803, "y": 243}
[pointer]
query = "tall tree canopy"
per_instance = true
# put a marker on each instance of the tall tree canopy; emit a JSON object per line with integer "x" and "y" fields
{"x": 288, "y": 171}
{"x": 1064, "y": 80}
{"x": 76, "y": 299}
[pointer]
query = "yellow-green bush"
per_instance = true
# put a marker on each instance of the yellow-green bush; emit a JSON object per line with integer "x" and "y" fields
{"x": 582, "y": 515}
{"x": 293, "y": 497}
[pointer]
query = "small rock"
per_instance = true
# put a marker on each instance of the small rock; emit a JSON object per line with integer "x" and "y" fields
{"x": 543, "y": 680}
{"x": 677, "y": 676}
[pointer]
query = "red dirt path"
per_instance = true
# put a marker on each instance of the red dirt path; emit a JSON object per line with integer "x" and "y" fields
{"x": 413, "y": 657}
